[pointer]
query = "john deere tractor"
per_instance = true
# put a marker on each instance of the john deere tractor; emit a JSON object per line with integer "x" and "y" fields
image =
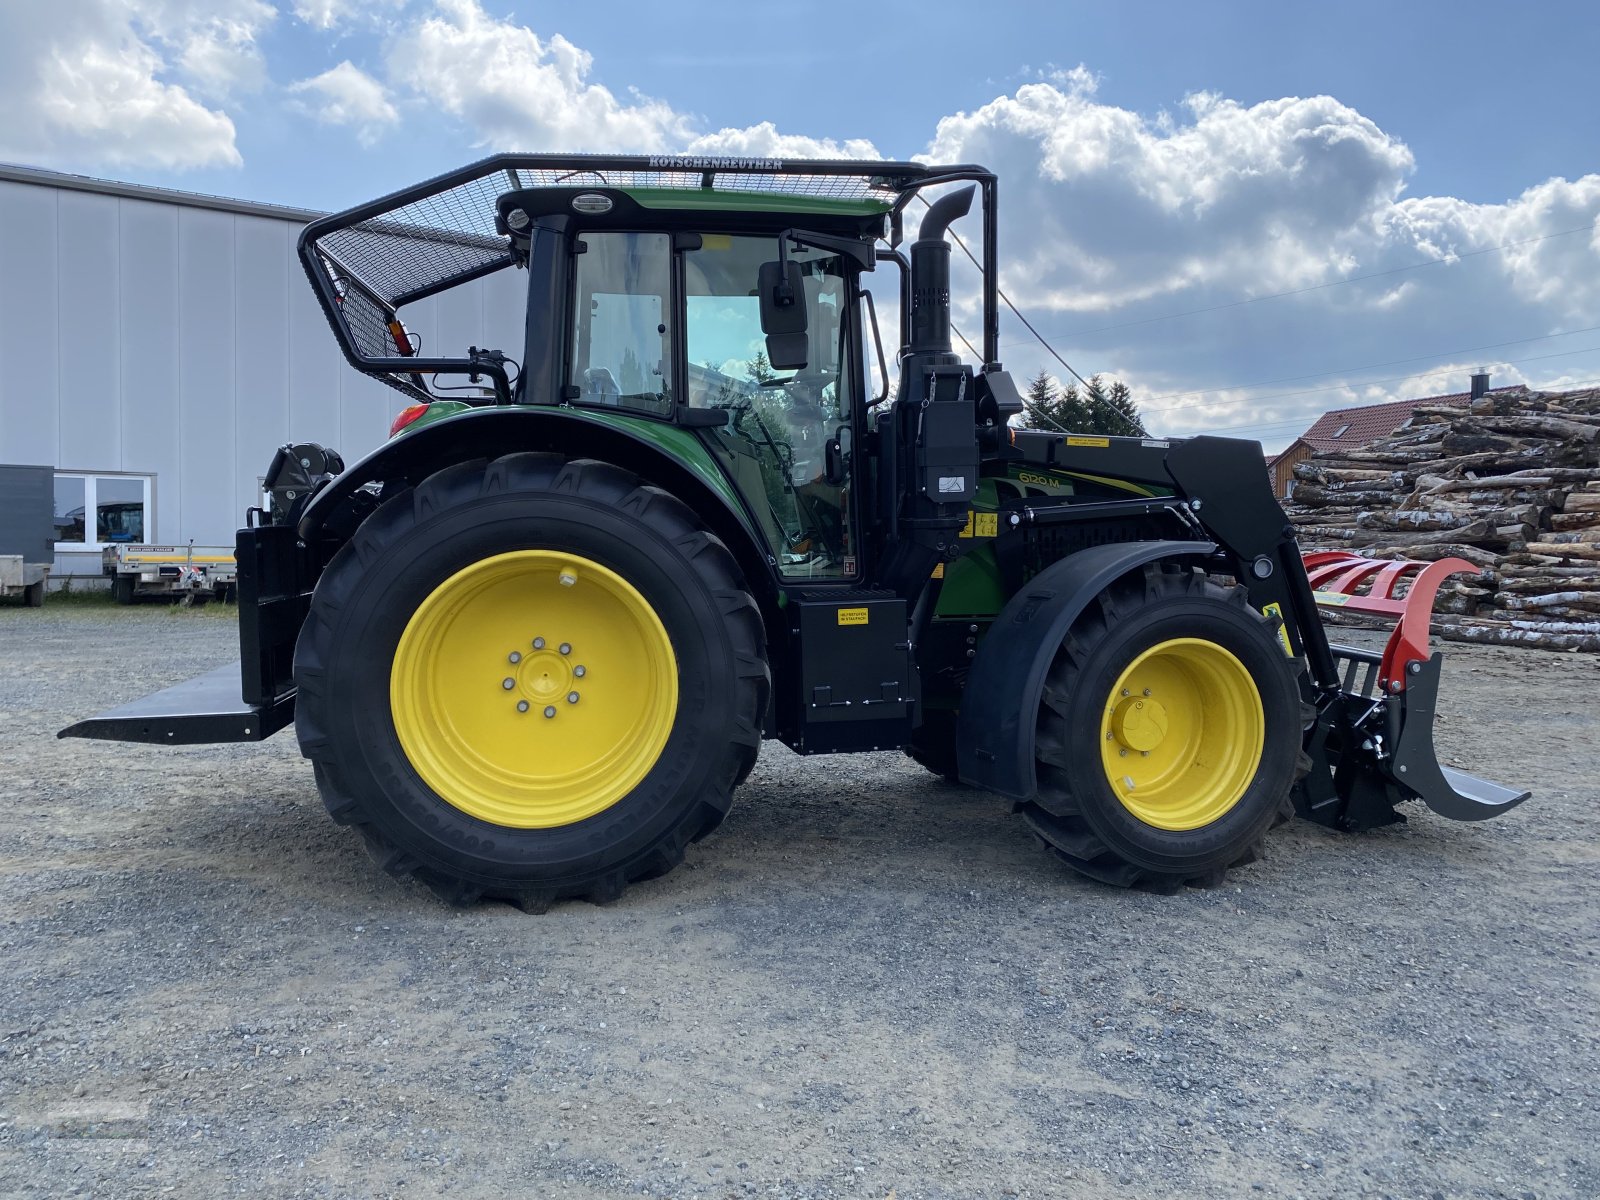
{"x": 533, "y": 643}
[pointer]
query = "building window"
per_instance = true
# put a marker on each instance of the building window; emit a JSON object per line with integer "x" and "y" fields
{"x": 119, "y": 504}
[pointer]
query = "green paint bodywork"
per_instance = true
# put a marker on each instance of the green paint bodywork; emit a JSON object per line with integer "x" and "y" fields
{"x": 972, "y": 584}
{"x": 437, "y": 411}
{"x": 708, "y": 200}
{"x": 677, "y": 443}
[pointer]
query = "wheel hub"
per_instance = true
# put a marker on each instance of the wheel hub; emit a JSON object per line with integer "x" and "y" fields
{"x": 1139, "y": 723}
{"x": 547, "y": 675}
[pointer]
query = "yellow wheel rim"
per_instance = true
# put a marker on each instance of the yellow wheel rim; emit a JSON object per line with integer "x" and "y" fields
{"x": 1182, "y": 733}
{"x": 533, "y": 689}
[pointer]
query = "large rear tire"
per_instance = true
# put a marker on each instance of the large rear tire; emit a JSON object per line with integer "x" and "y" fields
{"x": 531, "y": 679}
{"x": 1169, "y": 734}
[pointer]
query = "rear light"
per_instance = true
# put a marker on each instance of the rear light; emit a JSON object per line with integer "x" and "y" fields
{"x": 406, "y": 417}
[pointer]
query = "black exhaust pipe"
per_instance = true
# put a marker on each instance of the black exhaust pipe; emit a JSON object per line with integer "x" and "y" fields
{"x": 930, "y": 274}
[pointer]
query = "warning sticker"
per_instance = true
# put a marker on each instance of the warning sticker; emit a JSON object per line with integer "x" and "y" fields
{"x": 852, "y": 616}
{"x": 980, "y": 524}
{"x": 1089, "y": 441}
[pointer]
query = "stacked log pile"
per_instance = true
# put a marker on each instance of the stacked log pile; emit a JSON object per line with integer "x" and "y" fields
{"x": 1509, "y": 482}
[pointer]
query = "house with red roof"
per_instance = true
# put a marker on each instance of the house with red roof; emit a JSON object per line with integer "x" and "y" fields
{"x": 1353, "y": 428}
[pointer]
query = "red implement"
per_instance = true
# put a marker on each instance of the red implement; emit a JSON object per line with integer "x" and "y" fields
{"x": 1341, "y": 579}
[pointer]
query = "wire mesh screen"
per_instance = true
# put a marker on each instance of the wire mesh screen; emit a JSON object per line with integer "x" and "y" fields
{"x": 374, "y": 258}
{"x": 367, "y": 320}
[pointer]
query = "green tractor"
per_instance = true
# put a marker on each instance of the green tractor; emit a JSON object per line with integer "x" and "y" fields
{"x": 534, "y": 642}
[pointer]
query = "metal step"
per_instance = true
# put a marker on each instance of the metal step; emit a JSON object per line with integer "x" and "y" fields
{"x": 207, "y": 708}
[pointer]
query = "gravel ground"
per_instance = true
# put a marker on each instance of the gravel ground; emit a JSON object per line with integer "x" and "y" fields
{"x": 867, "y": 984}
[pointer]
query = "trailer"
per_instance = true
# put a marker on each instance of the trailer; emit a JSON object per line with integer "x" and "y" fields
{"x": 25, "y": 579}
{"x": 193, "y": 573}
{"x": 27, "y": 530}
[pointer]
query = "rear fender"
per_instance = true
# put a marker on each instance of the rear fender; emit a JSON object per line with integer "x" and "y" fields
{"x": 668, "y": 456}
{"x": 995, "y": 731}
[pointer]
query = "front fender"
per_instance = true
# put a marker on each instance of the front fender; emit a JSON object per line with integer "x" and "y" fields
{"x": 995, "y": 731}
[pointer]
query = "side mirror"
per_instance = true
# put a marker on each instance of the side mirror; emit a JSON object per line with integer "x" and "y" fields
{"x": 783, "y": 314}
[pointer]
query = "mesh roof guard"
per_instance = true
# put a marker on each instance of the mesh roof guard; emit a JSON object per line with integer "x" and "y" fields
{"x": 366, "y": 262}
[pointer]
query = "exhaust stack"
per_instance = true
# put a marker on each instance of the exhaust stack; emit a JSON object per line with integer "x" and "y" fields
{"x": 930, "y": 274}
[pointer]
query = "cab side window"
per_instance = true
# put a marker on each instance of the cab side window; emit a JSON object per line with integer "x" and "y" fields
{"x": 621, "y": 352}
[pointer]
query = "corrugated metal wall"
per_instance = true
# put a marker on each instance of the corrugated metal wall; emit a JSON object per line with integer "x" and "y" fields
{"x": 185, "y": 343}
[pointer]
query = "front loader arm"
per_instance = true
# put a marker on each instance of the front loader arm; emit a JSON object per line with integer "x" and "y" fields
{"x": 1370, "y": 738}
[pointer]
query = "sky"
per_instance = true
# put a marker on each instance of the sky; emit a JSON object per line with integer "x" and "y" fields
{"x": 1250, "y": 213}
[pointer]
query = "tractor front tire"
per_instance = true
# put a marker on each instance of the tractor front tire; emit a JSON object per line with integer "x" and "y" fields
{"x": 1169, "y": 733}
{"x": 531, "y": 679}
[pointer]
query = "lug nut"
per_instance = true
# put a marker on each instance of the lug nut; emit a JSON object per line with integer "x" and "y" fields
{"x": 522, "y": 706}
{"x": 1125, "y": 691}
{"x": 572, "y": 697}
{"x": 1122, "y": 754}
{"x": 508, "y": 684}
{"x": 580, "y": 672}
{"x": 1147, "y": 691}
{"x": 550, "y": 711}
{"x": 568, "y": 579}
{"x": 565, "y": 647}
{"x": 538, "y": 643}
{"x": 515, "y": 656}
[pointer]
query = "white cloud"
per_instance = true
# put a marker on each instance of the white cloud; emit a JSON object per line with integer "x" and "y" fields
{"x": 122, "y": 83}
{"x": 349, "y": 96}
{"x": 518, "y": 91}
{"x": 765, "y": 141}
{"x": 1144, "y": 235}
{"x": 326, "y": 15}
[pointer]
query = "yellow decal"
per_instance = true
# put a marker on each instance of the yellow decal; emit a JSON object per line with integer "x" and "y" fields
{"x": 1047, "y": 480}
{"x": 1276, "y": 610}
{"x": 980, "y": 524}
{"x": 938, "y": 572}
{"x": 1337, "y": 599}
{"x": 852, "y": 616}
{"x": 1089, "y": 441}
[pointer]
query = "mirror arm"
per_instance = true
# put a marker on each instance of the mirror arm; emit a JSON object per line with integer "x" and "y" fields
{"x": 783, "y": 294}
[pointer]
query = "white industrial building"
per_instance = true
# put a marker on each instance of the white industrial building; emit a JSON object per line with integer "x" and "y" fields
{"x": 156, "y": 347}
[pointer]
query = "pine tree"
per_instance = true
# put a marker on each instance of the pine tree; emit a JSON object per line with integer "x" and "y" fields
{"x": 759, "y": 369}
{"x": 1045, "y": 406}
{"x": 1100, "y": 408}
{"x": 1120, "y": 403}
